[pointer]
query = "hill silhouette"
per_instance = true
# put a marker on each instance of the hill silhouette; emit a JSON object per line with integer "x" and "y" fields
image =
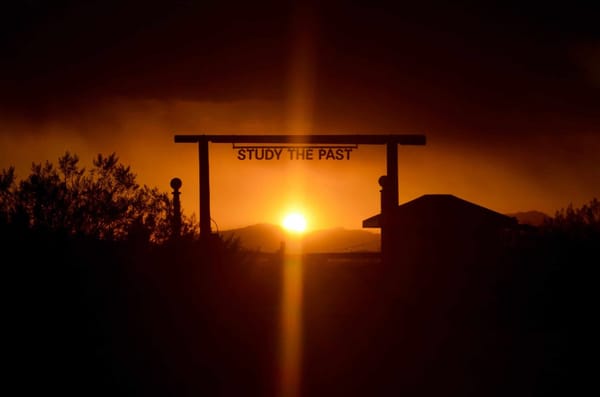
{"x": 533, "y": 218}
{"x": 266, "y": 237}
{"x": 341, "y": 240}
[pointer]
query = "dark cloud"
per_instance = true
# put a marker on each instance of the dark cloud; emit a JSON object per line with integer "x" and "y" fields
{"x": 88, "y": 50}
{"x": 426, "y": 65}
{"x": 476, "y": 68}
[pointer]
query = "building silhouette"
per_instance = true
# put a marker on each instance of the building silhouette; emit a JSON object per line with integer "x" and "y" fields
{"x": 439, "y": 227}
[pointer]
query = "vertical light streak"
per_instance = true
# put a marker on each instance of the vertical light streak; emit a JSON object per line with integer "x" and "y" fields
{"x": 291, "y": 326}
{"x": 299, "y": 120}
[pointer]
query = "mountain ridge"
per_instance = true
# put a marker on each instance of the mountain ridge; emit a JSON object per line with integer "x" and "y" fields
{"x": 265, "y": 237}
{"x": 532, "y": 217}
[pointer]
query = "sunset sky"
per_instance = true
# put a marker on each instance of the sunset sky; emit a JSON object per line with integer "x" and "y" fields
{"x": 507, "y": 94}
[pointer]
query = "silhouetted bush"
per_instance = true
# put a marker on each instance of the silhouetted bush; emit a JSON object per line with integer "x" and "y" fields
{"x": 104, "y": 202}
{"x": 577, "y": 223}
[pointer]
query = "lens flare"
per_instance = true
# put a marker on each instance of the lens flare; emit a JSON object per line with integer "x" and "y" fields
{"x": 294, "y": 222}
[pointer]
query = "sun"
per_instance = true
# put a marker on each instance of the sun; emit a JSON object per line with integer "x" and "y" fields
{"x": 294, "y": 222}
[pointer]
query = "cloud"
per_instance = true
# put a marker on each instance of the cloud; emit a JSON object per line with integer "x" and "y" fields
{"x": 72, "y": 55}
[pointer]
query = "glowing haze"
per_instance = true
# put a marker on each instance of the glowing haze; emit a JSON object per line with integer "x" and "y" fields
{"x": 508, "y": 102}
{"x": 535, "y": 173}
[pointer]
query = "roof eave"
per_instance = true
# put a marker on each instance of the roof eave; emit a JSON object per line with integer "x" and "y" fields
{"x": 372, "y": 222}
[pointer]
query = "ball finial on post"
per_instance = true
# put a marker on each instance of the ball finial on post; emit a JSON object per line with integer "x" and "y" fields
{"x": 176, "y": 185}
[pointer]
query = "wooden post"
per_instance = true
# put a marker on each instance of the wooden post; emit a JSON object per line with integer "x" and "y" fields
{"x": 392, "y": 173}
{"x": 176, "y": 222}
{"x": 204, "y": 183}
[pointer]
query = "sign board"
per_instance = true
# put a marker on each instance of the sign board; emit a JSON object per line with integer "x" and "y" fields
{"x": 294, "y": 152}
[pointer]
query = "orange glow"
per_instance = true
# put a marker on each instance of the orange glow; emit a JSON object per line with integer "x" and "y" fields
{"x": 290, "y": 360}
{"x": 505, "y": 151}
{"x": 336, "y": 194}
{"x": 294, "y": 222}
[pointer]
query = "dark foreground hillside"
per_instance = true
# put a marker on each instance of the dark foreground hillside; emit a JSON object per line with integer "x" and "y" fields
{"x": 92, "y": 318}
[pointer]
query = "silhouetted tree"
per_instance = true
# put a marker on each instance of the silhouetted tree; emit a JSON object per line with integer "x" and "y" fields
{"x": 579, "y": 223}
{"x": 104, "y": 202}
{"x": 7, "y": 198}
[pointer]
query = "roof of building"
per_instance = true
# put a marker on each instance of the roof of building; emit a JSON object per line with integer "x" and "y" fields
{"x": 440, "y": 208}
